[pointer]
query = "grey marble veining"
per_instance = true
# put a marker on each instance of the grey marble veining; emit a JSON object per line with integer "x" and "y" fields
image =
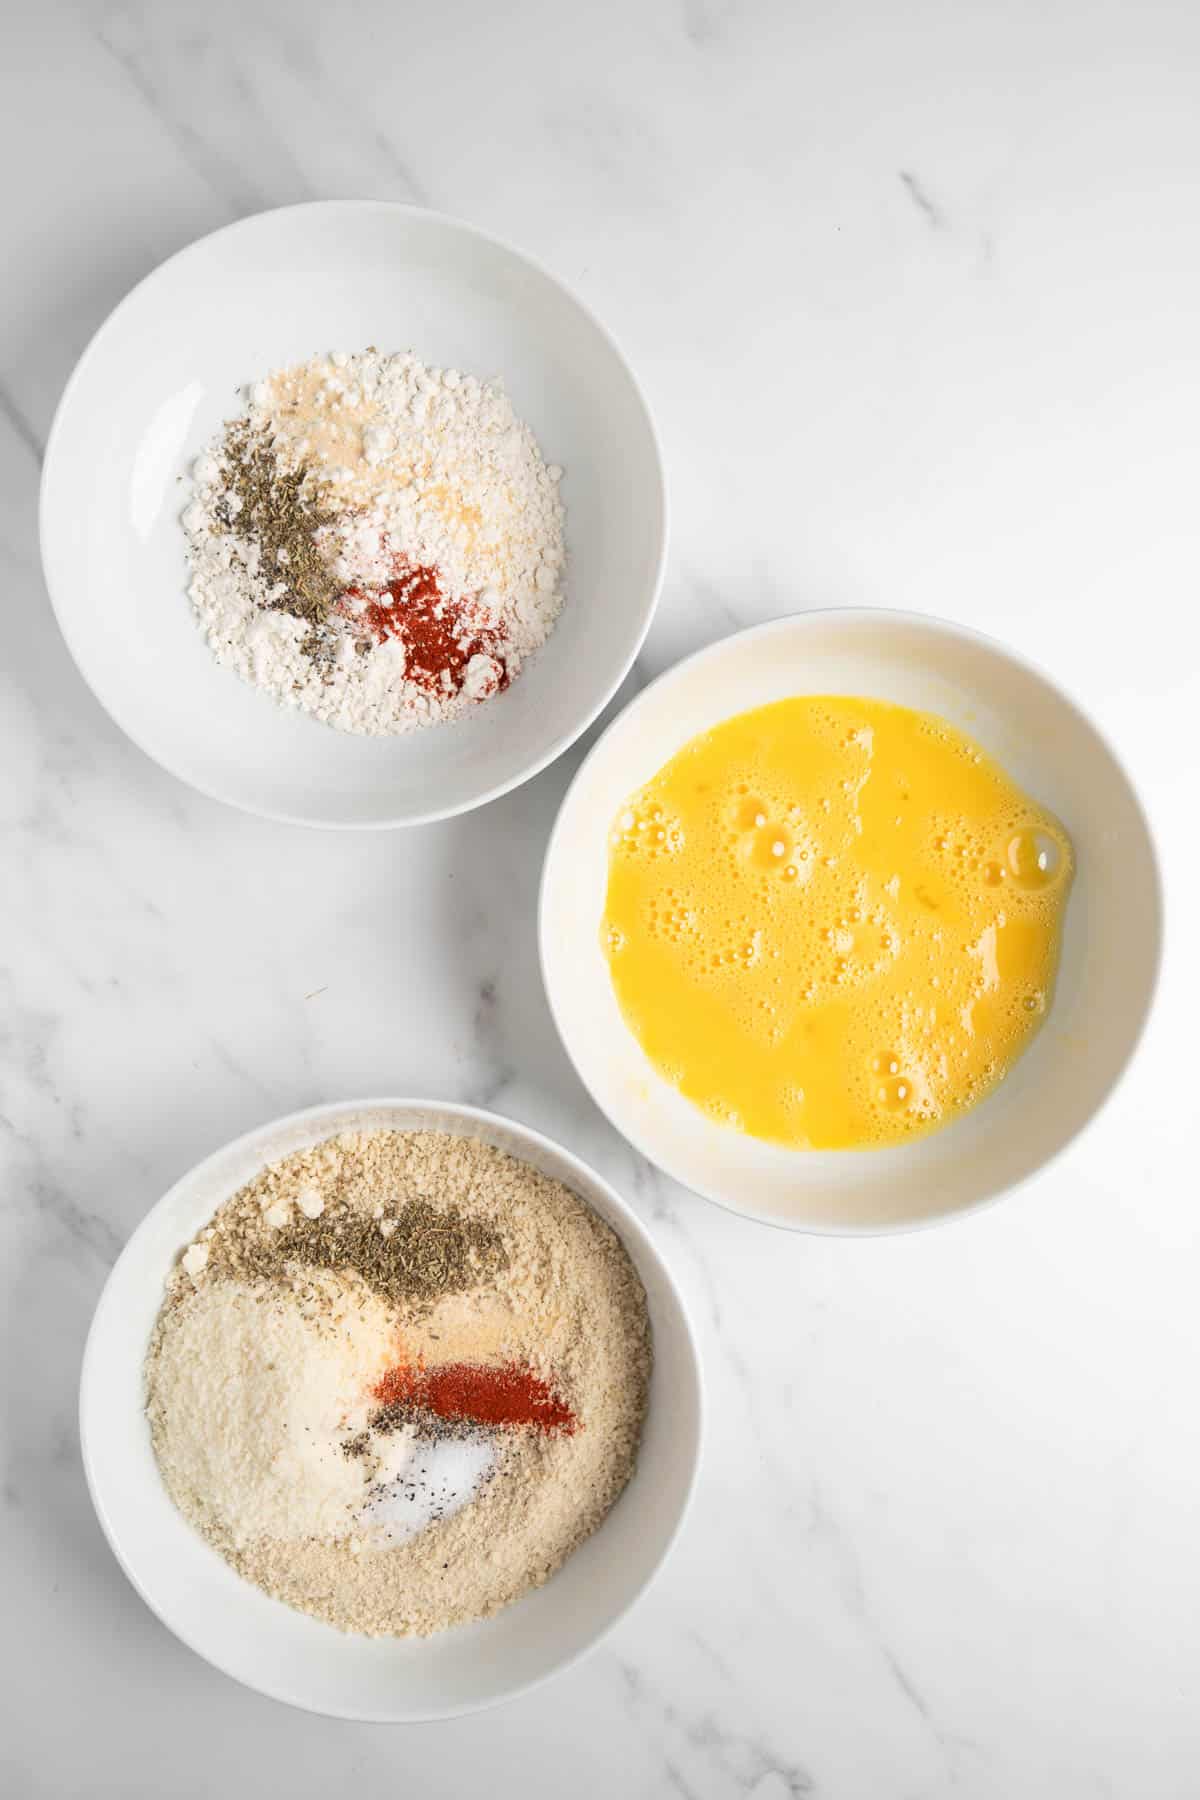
{"x": 913, "y": 293}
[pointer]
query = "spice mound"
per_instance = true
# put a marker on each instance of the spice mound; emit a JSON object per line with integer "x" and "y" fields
{"x": 375, "y": 541}
{"x": 398, "y": 1379}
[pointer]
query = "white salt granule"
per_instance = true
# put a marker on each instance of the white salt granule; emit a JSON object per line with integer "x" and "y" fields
{"x": 425, "y": 1480}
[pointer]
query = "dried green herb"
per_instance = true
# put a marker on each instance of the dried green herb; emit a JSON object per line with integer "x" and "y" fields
{"x": 281, "y": 512}
{"x": 426, "y": 1254}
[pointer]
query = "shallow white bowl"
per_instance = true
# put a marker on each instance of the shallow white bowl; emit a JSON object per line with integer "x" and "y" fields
{"x": 1111, "y": 941}
{"x": 284, "y": 1653}
{"x": 154, "y": 386}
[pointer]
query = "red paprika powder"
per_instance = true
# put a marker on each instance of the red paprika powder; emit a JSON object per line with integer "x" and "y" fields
{"x": 509, "y": 1395}
{"x": 438, "y": 640}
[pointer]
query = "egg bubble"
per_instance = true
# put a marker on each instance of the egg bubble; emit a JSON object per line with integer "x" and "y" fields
{"x": 771, "y": 848}
{"x": 1034, "y": 858}
{"x": 750, "y": 813}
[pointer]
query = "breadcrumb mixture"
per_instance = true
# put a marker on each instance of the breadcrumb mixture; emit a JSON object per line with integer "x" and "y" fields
{"x": 261, "y": 1367}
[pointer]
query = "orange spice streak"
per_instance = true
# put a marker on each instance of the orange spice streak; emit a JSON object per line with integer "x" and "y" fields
{"x": 511, "y": 1395}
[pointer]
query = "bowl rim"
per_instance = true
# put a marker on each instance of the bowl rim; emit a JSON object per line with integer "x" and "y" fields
{"x": 949, "y": 628}
{"x": 565, "y": 739}
{"x": 450, "y": 1110}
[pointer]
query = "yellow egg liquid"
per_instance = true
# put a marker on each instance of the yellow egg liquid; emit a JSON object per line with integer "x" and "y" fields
{"x": 834, "y": 923}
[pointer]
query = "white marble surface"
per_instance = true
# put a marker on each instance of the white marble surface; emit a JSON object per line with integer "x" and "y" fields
{"x": 914, "y": 290}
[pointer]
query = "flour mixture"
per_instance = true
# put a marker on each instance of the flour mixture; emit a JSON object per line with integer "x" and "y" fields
{"x": 376, "y": 542}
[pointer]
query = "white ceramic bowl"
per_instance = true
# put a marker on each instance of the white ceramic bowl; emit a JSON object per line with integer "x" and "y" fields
{"x": 284, "y": 1653}
{"x": 154, "y": 386}
{"x": 1111, "y": 940}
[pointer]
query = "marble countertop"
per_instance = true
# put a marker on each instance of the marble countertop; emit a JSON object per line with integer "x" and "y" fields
{"x": 914, "y": 293}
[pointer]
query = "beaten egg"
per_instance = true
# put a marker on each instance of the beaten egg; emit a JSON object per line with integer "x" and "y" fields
{"x": 834, "y": 923}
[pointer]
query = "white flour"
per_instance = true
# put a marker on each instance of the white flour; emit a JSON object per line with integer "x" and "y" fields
{"x": 424, "y": 469}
